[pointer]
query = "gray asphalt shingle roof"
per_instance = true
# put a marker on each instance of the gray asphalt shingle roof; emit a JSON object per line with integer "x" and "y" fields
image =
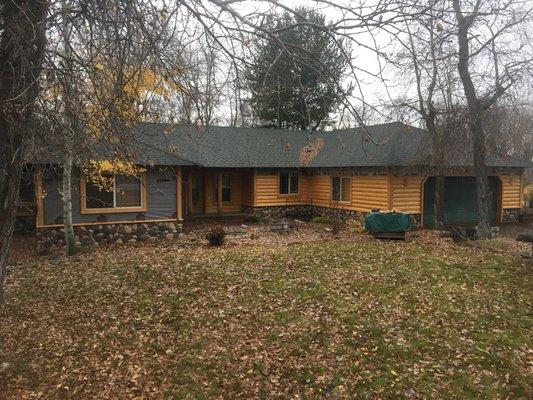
{"x": 399, "y": 145}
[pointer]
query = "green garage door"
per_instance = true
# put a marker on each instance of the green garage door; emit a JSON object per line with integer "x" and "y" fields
{"x": 460, "y": 200}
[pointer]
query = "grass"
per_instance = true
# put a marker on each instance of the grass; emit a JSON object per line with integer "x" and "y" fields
{"x": 317, "y": 320}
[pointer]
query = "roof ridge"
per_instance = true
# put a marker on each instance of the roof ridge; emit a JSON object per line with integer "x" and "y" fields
{"x": 177, "y": 124}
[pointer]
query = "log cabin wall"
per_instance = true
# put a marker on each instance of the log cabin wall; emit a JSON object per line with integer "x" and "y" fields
{"x": 407, "y": 193}
{"x": 366, "y": 192}
{"x": 267, "y": 190}
{"x": 260, "y": 188}
{"x": 382, "y": 191}
{"x": 511, "y": 191}
{"x": 370, "y": 192}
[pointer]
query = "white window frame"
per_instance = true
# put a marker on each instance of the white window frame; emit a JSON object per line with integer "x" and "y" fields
{"x": 115, "y": 208}
{"x": 340, "y": 200}
{"x": 288, "y": 183}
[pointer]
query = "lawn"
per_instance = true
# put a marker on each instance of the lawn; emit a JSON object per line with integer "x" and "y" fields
{"x": 330, "y": 319}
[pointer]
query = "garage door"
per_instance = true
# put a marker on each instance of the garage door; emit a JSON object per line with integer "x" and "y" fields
{"x": 460, "y": 201}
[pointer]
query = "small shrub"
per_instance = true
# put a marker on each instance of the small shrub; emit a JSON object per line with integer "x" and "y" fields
{"x": 462, "y": 233}
{"x": 216, "y": 236}
{"x": 355, "y": 226}
{"x": 528, "y": 195}
{"x": 337, "y": 225}
{"x": 81, "y": 249}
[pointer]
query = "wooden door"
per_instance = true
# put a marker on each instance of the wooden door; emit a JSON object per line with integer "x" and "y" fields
{"x": 197, "y": 195}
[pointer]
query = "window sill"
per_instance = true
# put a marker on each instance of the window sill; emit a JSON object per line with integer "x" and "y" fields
{"x": 114, "y": 210}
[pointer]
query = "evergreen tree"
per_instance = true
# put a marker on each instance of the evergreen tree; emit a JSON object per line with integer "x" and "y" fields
{"x": 295, "y": 75}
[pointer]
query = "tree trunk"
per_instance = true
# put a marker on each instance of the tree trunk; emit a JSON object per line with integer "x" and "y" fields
{"x": 438, "y": 157}
{"x": 440, "y": 179}
{"x": 482, "y": 182}
{"x": 22, "y": 42}
{"x": 439, "y": 199}
{"x": 67, "y": 206}
{"x": 475, "y": 112}
{"x": 9, "y": 184}
{"x": 71, "y": 131}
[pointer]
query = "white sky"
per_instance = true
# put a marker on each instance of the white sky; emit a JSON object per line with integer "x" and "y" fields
{"x": 366, "y": 62}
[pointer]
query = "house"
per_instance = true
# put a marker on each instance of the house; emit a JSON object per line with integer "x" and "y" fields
{"x": 225, "y": 171}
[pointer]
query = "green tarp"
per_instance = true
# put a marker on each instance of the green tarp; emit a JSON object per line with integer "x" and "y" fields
{"x": 378, "y": 222}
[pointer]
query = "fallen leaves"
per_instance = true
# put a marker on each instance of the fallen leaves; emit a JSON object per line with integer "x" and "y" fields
{"x": 324, "y": 318}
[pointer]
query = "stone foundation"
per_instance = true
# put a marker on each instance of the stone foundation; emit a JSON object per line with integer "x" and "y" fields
{"x": 512, "y": 215}
{"x": 302, "y": 212}
{"x": 416, "y": 220}
{"x": 49, "y": 239}
{"x": 305, "y": 212}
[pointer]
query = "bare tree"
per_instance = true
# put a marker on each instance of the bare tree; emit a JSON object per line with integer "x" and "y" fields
{"x": 422, "y": 56}
{"x": 206, "y": 81}
{"x": 23, "y": 29}
{"x": 480, "y": 26}
{"x": 490, "y": 54}
{"x": 22, "y": 46}
{"x": 103, "y": 71}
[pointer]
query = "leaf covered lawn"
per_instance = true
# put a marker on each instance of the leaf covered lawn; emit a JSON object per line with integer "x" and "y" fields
{"x": 334, "y": 320}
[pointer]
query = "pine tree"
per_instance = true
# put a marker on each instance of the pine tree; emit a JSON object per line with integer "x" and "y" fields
{"x": 295, "y": 74}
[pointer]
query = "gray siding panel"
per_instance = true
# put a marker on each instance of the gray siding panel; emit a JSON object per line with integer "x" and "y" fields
{"x": 52, "y": 206}
{"x": 161, "y": 191}
{"x": 161, "y": 199}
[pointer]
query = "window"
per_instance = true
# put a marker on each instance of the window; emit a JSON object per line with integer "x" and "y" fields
{"x": 26, "y": 188}
{"x": 126, "y": 192}
{"x": 226, "y": 188}
{"x": 289, "y": 182}
{"x": 340, "y": 188}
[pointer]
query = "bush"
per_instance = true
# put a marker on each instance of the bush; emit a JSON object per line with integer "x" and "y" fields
{"x": 337, "y": 225}
{"x": 462, "y": 233}
{"x": 528, "y": 195}
{"x": 355, "y": 226}
{"x": 216, "y": 236}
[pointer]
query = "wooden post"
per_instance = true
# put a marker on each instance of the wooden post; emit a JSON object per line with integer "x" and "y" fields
{"x": 179, "y": 211}
{"x": 39, "y": 194}
{"x": 219, "y": 192}
{"x": 499, "y": 206}
{"x": 205, "y": 177}
{"x": 189, "y": 194}
{"x": 389, "y": 187}
{"x": 422, "y": 194}
{"x": 254, "y": 187}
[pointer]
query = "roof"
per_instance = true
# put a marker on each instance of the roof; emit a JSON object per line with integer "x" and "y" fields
{"x": 391, "y": 145}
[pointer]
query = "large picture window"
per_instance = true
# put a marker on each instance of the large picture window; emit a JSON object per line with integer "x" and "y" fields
{"x": 289, "y": 183}
{"x": 340, "y": 188}
{"x": 125, "y": 193}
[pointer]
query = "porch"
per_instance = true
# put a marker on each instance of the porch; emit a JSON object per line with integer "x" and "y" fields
{"x": 210, "y": 193}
